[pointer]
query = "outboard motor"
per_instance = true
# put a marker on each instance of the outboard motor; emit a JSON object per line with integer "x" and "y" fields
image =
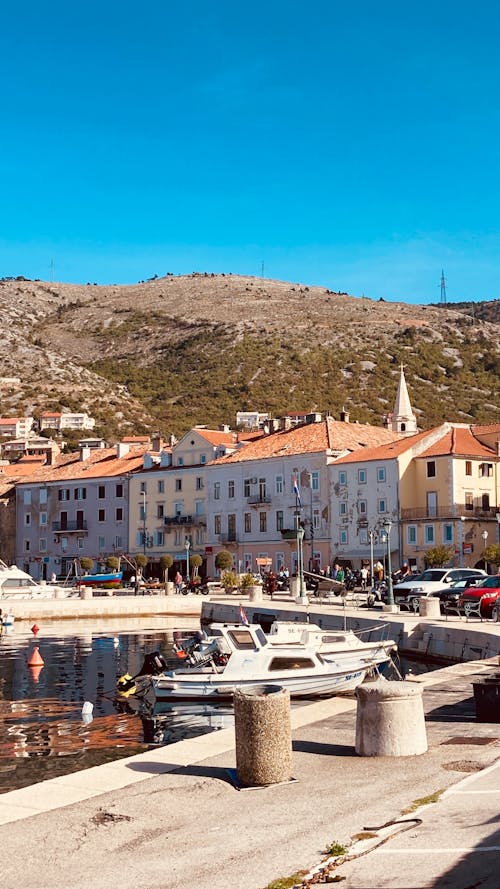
{"x": 154, "y": 664}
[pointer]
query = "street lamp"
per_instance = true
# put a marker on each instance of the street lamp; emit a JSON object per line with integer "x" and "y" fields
{"x": 187, "y": 544}
{"x": 300, "y": 566}
{"x": 144, "y": 533}
{"x": 371, "y": 535}
{"x": 498, "y": 522}
{"x": 484, "y": 535}
{"x": 387, "y": 525}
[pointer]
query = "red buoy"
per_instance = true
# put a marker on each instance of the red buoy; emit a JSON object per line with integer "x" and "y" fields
{"x": 36, "y": 659}
{"x": 34, "y": 629}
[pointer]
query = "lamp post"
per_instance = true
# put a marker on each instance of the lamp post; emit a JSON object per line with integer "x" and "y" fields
{"x": 498, "y": 523}
{"x": 187, "y": 545}
{"x": 311, "y": 565}
{"x": 144, "y": 533}
{"x": 371, "y": 536}
{"x": 484, "y": 535}
{"x": 387, "y": 525}
{"x": 303, "y": 600}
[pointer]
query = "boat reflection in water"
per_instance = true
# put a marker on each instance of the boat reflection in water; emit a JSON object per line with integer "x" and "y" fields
{"x": 164, "y": 723}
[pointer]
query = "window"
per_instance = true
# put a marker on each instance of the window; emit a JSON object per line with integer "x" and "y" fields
{"x": 382, "y": 506}
{"x": 142, "y": 512}
{"x": 42, "y": 545}
{"x": 342, "y": 478}
{"x": 469, "y": 500}
{"x": 27, "y": 519}
{"x": 26, "y": 546}
{"x": 158, "y": 538}
{"x": 431, "y": 469}
{"x": 80, "y": 494}
{"x": 102, "y": 544}
{"x": 119, "y": 514}
{"x": 316, "y": 518}
{"x": 381, "y": 473}
{"x": 342, "y": 507}
{"x": 216, "y": 490}
{"x": 468, "y": 467}
{"x": 447, "y": 533}
{"x": 119, "y": 490}
{"x": 199, "y": 536}
{"x": 138, "y": 538}
{"x": 247, "y": 561}
{"x": 27, "y": 498}
{"x": 160, "y": 511}
{"x": 361, "y": 476}
{"x": 343, "y": 537}
{"x": 101, "y": 515}
{"x": 178, "y": 507}
{"x": 362, "y": 507}
{"x": 43, "y": 496}
{"x": 246, "y": 487}
{"x": 63, "y": 494}
{"x": 485, "y": 469}
{"x": 118, "y": 542}
{"x": 43, "y": 518}
{"x": 263, "y": 521}
{"x": 180, "y": 461}
{"x": 231, "y": 526}
{"x": 217, "y": 524}
{"x": 411, "y": 535}
{"x": 248, "y": 522}
{"x": 485, "y": 502}
{"x": 279, "y": 519}
{"x": 363, "y": 536}
{"x": 178, "y": 484}
{"x": 203, "y": 458}
{"x": 79, "y": 542}
{"x": 101, "y": 492}
{"x": 315, "y": 480}
{"x": 230, "y": 489}
{"x": 143, "y": 488}
{"x": 429, "y": 533}
{"x": 161, "y": 486}
{"x": 279, "y": 484}
{"x": 199, "y": 483}
{"x": 262, "y": 489}
{"x": 199, "y": 507}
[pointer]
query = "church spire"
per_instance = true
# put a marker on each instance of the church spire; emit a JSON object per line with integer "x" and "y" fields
{"x": 403, "y": 419}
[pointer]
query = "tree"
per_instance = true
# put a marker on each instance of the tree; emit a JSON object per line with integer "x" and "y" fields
{"x": 166, "y": 563}
{"x": 223, "y": 560}
{"x": 112, "y": 563}
{"x": 86, "y": 563}
{"x": 141, "y": 561}
{"x": 491, "y": 554}
{"x": 438, "y": 556}
{"x": 196, "y": 562}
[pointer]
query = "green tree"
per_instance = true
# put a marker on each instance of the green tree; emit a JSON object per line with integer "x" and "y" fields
{"x": 112, "y": 563}
{"x": 491, "y": 554}
{"x": 223, "y": 560}
{"x": 86, "y": 563}
{"x": 141, "y": 561}
{"x": 166, "y": 563}
{"x": 196, "y": 563}
{"x": 438, "y": 556}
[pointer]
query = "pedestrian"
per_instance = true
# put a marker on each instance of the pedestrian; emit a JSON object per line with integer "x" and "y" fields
{"x": 178, "y": 582}
{"x": 379, "y": 571}
{"x": 364, "y": 577}
{"x": 340, "y": 576}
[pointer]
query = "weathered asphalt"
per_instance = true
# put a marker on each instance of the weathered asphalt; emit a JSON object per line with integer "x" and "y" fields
{"x": 173, "y": 818}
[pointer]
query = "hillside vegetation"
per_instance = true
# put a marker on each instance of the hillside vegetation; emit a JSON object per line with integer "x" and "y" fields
{"x": 174, "y": 351}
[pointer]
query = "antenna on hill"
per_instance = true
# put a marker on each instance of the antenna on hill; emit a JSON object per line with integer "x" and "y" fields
{"x": 52, "y": 271}
{"x": 443, "y": 288}
{"x": 262, "y": 269}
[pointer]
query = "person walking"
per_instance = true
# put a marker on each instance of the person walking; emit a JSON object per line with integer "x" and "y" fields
{"x": 178, "y": 582}
{"x": 364, "y": 577}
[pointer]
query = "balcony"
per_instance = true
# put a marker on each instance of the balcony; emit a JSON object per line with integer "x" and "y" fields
{"x": 184, "y": 520}
{"x": 69, "y": 527}
{"x": 231, "y": 537}
{"x": 288, "y": 534}
{"x": 259, "y": 499}
{"x": 448, "y": 512}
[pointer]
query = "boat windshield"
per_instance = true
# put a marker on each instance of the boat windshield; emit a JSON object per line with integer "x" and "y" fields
{"x": 16, "y": 582}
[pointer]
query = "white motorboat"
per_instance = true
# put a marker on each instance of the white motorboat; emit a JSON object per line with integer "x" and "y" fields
{"x": 299, "y": 656}
{"x": 17, "y": 584}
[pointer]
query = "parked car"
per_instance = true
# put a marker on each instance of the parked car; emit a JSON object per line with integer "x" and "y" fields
{"x": 449, "y": 596}
{"x": 431, "y": 581}
{"x": 488, "y": 590}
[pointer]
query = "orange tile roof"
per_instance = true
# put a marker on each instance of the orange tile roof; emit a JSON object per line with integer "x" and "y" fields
{"x": 385, "y": 451}
{"x": 487, "y": 427}
{"x": 101, "y": 463}
{"x": 26, "y": 466}
{"x": 216, "y": 437}
{"x": 50, "y": 414}
{"x": 8, "y": 421}
{"x": 328, "y": 435}
{"x": 461, "y": 442}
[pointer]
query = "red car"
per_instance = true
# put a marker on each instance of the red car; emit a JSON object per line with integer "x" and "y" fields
{"x": 488, "y": 590}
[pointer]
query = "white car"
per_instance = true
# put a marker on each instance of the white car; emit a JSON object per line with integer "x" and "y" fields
{"x": 432, "y": 580}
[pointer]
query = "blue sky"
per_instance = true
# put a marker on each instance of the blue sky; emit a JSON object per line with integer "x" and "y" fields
{"x": 350, "y": 145}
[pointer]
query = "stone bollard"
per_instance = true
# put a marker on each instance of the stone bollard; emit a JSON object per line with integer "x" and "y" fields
{"x": 255, "y": 593}
{"x": 295, "y": 587}
{"x": 390, "y": 719}
{"x": 263, "y": 735}
{"x": 170, "y": 588}
{"x": 429, "y": 606}
{"x": 86, "y": 592}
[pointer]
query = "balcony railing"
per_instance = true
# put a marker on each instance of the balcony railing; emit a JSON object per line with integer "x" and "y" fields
{"x": 184, "y": 520}
{"x": 255, "y": 499}
{"x": 69, "y": 527}
{"x": 449, "y": 512}
{"x": 231, "y": 537}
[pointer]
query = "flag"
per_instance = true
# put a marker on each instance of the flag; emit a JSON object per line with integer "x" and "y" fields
{"x": 296, "y": 489}
{"x": 243, "y": 616}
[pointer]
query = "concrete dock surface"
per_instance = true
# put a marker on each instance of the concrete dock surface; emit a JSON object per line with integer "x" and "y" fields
{"x": 174, "y": 817}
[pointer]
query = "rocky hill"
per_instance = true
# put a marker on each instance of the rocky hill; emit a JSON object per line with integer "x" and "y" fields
{"x": 169, "y": 352}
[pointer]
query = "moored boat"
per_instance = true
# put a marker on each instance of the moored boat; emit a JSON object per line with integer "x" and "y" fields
{"x": 17, "y": 584}
{"x": 110, "y": 578}
{"x": 301, "y": 657}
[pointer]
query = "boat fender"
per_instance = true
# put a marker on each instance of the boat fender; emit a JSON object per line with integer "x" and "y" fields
{"x": 125, "y": 683}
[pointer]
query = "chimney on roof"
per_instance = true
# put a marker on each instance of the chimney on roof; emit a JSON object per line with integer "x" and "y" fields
{"x": 224, "y": 428}
{"x": 344, "y": 416}
{"x": 172, "y": 440}
{"x": 84, "y": 453}
{"x": 286, "y": 423}
{"x": 122, "y": 449}
{"x": 156, "y": 443}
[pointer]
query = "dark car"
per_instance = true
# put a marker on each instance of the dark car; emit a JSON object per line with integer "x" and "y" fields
{"x": 487, "y": 591}
{"x": 449, "y": 596}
